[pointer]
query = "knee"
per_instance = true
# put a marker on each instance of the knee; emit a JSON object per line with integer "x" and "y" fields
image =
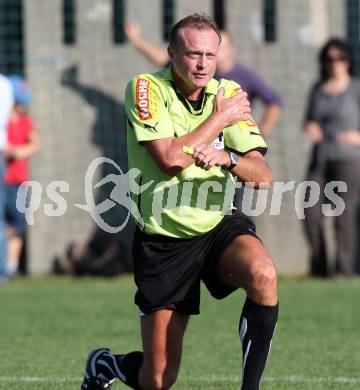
{"x": 159, "y": 380}
{"x": 263, "y": 276}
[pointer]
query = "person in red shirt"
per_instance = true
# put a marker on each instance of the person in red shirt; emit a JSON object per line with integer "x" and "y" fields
{"x": 22, "y": 143}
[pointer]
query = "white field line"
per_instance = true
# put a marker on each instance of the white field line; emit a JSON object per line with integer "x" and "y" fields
{"x": 37, "y": 379}
{"x": 203, "y": 379}
{"x": 284, "y": 379}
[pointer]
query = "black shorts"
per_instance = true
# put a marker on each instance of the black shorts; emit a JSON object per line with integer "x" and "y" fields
{"x": 168, "y": 270}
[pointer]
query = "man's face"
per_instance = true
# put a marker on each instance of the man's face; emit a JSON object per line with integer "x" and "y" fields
{"x": 194, "y": 59}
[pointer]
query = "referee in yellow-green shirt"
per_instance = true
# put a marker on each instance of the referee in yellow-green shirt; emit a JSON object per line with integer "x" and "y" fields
{"x": 189, "y": 136}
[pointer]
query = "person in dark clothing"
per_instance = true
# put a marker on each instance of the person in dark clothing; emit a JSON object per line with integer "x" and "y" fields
{"x": 332, "y": 123}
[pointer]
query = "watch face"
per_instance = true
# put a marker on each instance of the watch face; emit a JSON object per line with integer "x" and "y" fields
{"x": 234, "y": 158}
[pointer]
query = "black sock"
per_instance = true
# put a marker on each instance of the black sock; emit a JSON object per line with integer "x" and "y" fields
{"x": 256, "y": 328}
{"x": 129, "y": 366}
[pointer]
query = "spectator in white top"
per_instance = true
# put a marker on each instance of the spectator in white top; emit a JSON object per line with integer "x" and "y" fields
{"x": 6, "y": 104}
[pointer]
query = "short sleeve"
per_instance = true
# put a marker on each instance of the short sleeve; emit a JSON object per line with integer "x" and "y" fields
{"x": 244, "y": 137}
{"x": 146, "y": 110}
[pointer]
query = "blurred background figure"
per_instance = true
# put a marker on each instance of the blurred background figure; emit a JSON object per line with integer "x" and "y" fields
{"x": 6, "y": 103}
{"x": 250, "y": 81}
{"x": 332, "y": 125}
{"x": 22, "y": 143}
{"x": 227, "y": 68}
{"x": 102, "y": 254}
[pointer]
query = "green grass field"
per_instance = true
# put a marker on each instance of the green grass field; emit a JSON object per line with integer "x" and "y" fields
{"x": 48, "y": 325}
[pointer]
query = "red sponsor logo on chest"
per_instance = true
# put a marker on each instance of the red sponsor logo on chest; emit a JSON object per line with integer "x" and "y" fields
{"x": 142, "y": 99}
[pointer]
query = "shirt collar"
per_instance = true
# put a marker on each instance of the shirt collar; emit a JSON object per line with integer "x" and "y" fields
{"x": 168, "y": 75}
{"x": 211, "y": 87}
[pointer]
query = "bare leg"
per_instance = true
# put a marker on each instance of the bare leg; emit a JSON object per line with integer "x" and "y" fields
{"x": 162, "y": 335}
{"x": 247, "y": 264}
{"x": 15, "y": 243}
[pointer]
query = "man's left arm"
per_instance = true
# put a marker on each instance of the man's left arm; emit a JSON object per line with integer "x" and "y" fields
{"x": 244, "y": 153}
{"x": 251, "y": 168}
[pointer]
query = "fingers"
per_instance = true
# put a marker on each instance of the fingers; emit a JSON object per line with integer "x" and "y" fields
{"x": 241, "y": 97}
{"x": 242, "y": 94}
{"x": 201, "y": 156}
{"x": 241, "y": 101}
{"x": 245, "y": 107}
{"x": 235, "y": 108}
{"x": 203, "y": 162}
{"x": 247, "y": 117}
{"x": 205, "y": 156}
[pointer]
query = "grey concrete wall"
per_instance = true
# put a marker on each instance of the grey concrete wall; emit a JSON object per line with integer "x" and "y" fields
{"x": 68, "y": 118}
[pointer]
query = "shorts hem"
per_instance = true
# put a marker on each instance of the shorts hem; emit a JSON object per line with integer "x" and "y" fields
{"x": 171, "y": 307}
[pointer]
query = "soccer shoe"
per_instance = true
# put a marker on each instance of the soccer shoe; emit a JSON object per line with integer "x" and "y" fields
{"x": 93, "y": 378}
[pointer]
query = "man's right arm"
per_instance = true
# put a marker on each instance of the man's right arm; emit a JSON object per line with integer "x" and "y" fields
{"x": 168, "y": 152}
{"x": 152, "y": 125}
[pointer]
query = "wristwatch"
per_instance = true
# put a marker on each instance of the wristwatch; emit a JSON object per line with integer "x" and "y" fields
{"x": 234, "y": 160}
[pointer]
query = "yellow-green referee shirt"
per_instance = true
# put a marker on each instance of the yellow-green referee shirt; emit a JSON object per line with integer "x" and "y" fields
{"x": 194, "y": 201}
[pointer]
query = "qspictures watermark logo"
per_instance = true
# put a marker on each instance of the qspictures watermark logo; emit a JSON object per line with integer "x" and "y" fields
{"x": 166, "y": 197}
{"x": 120, "y": 195}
